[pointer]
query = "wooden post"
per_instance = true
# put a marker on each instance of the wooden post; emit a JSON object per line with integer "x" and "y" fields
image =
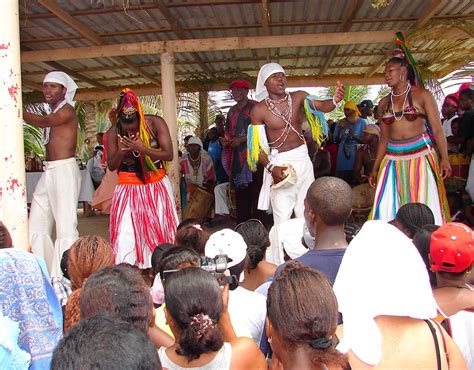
{"x": 169, "y": 114}
{"x": 203, "y": 112}
{"x": 13, "y": 210}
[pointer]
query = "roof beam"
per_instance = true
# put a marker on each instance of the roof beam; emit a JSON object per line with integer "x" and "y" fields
{"x": 346, "y": 24}
{"x": 151, "y": 89}
{"x": 426, "y": 15}
{"x": 79, "y": 76}
{"x": 209, "y": 44}
{"x": 179, "y": 31}
{"x": 143, "y": 31}
{"x": 87, "y": 33}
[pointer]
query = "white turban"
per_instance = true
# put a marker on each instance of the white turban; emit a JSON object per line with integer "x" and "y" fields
{"x": 63, "y": 79}
{"x": 266, "y": 71}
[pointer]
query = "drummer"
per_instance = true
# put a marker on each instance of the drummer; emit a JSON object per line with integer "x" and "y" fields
{"x": 197, "y": 168}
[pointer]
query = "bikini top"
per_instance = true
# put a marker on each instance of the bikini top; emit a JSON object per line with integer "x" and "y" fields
{"x": 410, "y": 113}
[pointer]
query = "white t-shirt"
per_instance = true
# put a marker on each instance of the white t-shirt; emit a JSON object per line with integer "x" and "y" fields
{"x": 449, "y": 132}
{"x": 248, "y": 309}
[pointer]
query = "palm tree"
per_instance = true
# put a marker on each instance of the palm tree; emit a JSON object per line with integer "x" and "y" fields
{"x": 355, "y": 93}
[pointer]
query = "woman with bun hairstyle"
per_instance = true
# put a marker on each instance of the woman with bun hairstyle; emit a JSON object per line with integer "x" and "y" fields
{"x": 258, "y": 271}
{"x": 196, "y": 311}
{"x": 302, "y": 320}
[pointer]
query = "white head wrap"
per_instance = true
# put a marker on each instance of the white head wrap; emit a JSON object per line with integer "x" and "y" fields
{"x": 379, "y": 278}
{"x": 63, "y": 79}
{"x": 266, "y": 71}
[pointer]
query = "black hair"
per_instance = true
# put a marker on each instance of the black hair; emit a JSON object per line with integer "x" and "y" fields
{"x": 412, "y": 216}
{"x": 194, "y": 301}
{"x": 157, "y": 255}
{"x": 119, "y": 291}
{"x": 192, "y": 236}
{"x": 256, "y": 237}
{"x": 331, "y": 199}
{"x": 188, "y": 221}
{"x": 187, "y": 137}
{"x": 103, "y": 342}
{"x": 404, "y": 63}
{"x": 64, "y": 265}
{"x": 467, "y": 93}
{"x": 422, "y": 240}
{"x": 307, "y": 295}
{"x": 175, "y": 257}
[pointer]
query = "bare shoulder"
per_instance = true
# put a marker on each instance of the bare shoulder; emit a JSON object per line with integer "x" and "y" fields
{"x": 246, "y": 354}
{"x": 68, "y": 111}
{"x": 258, "y": 111}
{"x": 383, "y": 103}
{"x": 299, "y": 96}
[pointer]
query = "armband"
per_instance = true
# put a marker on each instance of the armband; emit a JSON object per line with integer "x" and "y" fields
{"x": 256, "y": 142}
{"x": 316, "y": 120}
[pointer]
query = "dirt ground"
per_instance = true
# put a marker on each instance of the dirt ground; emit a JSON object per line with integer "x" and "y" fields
{"x": 98, "y": 224}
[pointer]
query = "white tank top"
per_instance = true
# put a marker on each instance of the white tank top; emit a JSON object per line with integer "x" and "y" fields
{"x": 221, "y": 361}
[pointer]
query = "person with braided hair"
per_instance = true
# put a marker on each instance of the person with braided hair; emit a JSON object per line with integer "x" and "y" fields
{"x": 87, "y": 255}
{"x": 196, "y": 310}
{"x": 143, "y": 212}
{"x": 304, "y": 338}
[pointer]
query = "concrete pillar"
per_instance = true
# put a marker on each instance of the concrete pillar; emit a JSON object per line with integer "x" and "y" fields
{"x": 170, "y": 116}
{"x": 13, "y": 211}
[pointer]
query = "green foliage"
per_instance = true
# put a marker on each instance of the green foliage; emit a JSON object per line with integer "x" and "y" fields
{"x": 383, "y": 91}
{"x": 355, "y": 93}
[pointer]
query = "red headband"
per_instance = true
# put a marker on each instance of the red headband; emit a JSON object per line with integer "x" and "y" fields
{"x": 239, "y": 84}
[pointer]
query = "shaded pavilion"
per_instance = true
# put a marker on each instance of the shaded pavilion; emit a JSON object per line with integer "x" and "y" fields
{"x": 169, "y": 46}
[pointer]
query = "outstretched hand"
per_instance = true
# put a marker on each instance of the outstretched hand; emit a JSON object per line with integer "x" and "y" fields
{"x": 339, "y": 93}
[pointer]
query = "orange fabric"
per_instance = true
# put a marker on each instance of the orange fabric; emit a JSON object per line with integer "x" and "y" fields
{"x": 131, "y": 178}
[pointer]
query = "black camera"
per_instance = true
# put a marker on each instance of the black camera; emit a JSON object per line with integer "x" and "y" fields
{"x": 216, "y": 266}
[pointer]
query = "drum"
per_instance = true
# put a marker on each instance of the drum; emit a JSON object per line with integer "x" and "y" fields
{"x": 362, "y": 201}
{"x": 199, "y": 204}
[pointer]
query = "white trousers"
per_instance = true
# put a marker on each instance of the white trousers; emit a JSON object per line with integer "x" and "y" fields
{"x": 221, "y": 199}
{"x": 55, "y": 201}
{"x": 286, "y": 200}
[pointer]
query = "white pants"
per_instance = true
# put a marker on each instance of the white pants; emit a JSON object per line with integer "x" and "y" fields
{"x": 221, "y": 199}
{"x": 286, "y": 200}
{"x": 55, "y": 200}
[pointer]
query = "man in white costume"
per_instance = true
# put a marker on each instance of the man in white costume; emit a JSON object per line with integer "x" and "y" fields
{"x": 56, "y": 195}
{"x": 275, "y": 139}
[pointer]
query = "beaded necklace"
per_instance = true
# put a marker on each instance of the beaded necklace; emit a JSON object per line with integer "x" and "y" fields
{"x": 285, "y": 116}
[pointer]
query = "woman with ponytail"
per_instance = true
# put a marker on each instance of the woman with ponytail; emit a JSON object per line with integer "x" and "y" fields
{"x": 302, "y": 320}
{"x": 196, "y": 311}
{"x": 406, "y": 168}
{"x": 143, "y": 213}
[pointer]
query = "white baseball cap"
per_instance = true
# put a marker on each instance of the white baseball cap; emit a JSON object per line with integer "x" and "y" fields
{"x": 227, "y": 241}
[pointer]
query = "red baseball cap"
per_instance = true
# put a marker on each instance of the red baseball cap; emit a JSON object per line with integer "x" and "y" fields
{"x": 452, "y": 248}
{"x": 242, "y": 84}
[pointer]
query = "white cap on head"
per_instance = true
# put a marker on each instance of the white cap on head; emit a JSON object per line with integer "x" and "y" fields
{"x": 227, "y": 241}
{"x": 266, "y": 71}
{"x": 63, "y": 79}
{"x": 195, "y": 140}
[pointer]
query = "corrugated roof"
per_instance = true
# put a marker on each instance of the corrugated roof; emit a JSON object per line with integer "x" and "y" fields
{"x": 450, "y": 27}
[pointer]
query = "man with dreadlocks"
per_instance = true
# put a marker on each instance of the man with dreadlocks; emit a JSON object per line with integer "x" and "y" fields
{"x": 143, "y": 212}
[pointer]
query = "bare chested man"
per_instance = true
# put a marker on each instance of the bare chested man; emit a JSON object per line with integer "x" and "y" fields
{"x": 276, "y": 140}
{"x": 56, "y": 195}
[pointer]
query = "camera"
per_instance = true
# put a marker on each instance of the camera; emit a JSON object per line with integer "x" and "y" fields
{"x": 216, "y": 266}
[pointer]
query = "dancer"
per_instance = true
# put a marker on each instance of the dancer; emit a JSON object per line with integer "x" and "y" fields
{"x": 406, "y": 166}
{"x": 57, "y": 192}
{"x": 279, "y": 117}
{"x": 143, "y": 213}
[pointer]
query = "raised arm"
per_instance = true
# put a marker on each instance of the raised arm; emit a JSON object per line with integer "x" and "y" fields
{"x": 61, "y": 117}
